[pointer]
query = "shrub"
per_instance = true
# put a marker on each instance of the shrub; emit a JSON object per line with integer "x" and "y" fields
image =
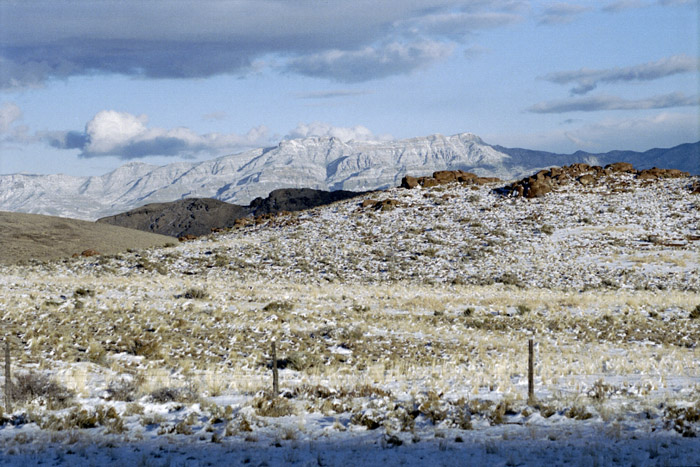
{"x": 31, "y": 386}
{"x": 83, "y": 292}
{"x": 123, "y": 390}
{"x": 266, "y": 405}
{"x": 547, "y": 229}
{"x": 194, "y": 293}
{"x": 695, "y": 314}
{"x": 298, "y": 361}
{"x": 278, "y": 306}
{"x": 578, "y": 413}
{"x": 184, "y": 394}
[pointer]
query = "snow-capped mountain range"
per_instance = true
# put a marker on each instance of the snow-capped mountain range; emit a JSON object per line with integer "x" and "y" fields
{"x": 324, "y": 163}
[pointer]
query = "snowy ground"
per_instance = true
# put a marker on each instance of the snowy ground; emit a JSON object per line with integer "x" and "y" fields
{"x": 402, "y": 335}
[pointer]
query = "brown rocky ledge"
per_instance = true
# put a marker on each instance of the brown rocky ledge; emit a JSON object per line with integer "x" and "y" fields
{"x": 546, "y": 180}
{"x": 446, "y": 176}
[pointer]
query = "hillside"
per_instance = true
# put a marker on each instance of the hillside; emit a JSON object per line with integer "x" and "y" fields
{"x": 319, "y": 163}
{"x": 401, "y": 323}
{"x": 31, "y": 236}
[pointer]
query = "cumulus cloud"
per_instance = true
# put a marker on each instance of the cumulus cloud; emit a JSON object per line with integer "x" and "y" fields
{"x": 604, "y": 102}
{"x": 194, "y": 39}
{"x": 112, "y": 133}
{"x": 371, "y": 62}
{"x": 589, "y": 79}
{"x": 357, "y": 132}
{"x": 562, "y": 13}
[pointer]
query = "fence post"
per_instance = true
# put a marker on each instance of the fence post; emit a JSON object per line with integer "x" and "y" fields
{"x": 8, "y": 378}
{"x": 531, "y": 371}
{"x": 275, "y": 375}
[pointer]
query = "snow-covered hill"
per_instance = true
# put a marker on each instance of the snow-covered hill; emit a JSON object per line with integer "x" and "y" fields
{"x": 320, "y": 163}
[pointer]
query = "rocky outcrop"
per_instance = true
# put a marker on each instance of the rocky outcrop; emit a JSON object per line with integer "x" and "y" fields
{"x": 446, "y": 176}
{"x": 695, "y": 187}
{"x": 192, "y": 217}
{"x": 547, "y": 180}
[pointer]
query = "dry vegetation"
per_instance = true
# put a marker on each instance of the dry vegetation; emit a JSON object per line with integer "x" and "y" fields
{"x": 32, "y": 237}
{"x": 367, "y": 334}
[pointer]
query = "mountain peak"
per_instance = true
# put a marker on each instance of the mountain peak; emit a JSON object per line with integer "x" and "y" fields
{"x": 318, "y": 162}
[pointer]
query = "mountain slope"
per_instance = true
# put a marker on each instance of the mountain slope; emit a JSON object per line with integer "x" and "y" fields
{"x": 319, "y": 163}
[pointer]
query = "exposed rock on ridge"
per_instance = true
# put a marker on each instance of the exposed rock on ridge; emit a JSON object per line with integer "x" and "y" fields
{"x": 546, "y": 181}
{"x": 446, "y": 176}
{"x": 192, "y": 217}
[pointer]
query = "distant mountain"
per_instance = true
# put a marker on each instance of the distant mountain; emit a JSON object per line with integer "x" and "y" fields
{"x": 319, "y": 163}
{"x": 198, "y": 216}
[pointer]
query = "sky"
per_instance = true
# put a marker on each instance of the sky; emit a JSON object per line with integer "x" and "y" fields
{"x": 87, "y": 86}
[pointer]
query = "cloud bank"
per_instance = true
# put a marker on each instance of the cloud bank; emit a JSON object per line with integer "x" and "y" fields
{"x": 343, "y": 41}
{"x": 588, "y": 79}
{"x": 604, "y": 102}
{"x": 371, "y": 62}
{"x": 127, "y": 136}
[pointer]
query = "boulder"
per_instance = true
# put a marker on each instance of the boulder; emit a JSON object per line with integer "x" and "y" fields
{"x": 445, "y": 176}
{"x": 586, "y": 179}
{"x": 466, "y": 177}
{"x": 621, "y": 167}
{"x": 409, "y": 182}
{"x": 538, "y": 189}
{"x": 428, "y": 182}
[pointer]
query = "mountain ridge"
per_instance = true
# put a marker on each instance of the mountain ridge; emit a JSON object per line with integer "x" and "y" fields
{"x": 321, "y": 163}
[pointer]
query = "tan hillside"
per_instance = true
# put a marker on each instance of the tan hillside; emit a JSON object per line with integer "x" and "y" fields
{"x": 33, "y": 236}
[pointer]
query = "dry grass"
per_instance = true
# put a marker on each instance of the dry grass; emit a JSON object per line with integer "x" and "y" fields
{"x": 34, "y": 237}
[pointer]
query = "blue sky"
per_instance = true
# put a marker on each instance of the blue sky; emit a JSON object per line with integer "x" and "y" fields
{"x": 87, "y": 86}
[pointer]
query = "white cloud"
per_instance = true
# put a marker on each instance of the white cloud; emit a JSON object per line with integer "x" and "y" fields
{"x": 112, "y": 133}
{"x": 357, "y": 132}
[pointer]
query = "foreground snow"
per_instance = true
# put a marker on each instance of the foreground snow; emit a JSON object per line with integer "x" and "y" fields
{"x": 402, "y": 335}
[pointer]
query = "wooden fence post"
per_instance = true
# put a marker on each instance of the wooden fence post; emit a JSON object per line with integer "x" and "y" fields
{"x": 8, "y": 378}
{"x": 531, "y": 371}
{"x": 275, "y": 375}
